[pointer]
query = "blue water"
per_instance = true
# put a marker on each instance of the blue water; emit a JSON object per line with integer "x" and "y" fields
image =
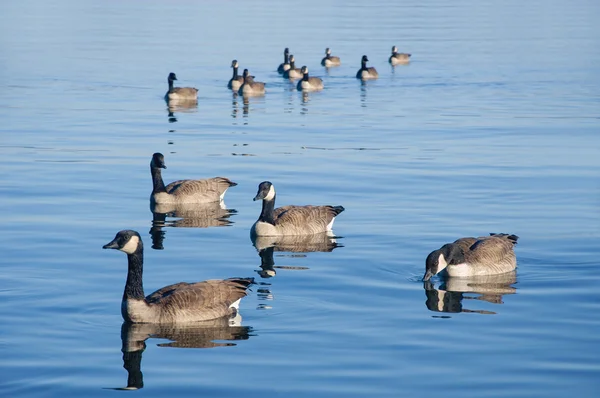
{"x": 493, "y": 127}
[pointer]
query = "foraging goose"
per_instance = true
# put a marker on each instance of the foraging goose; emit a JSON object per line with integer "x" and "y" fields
{"x": 236, "y": 81}
{"x": 399, "y": 58}
{"x": 293, "y": 72}
{"x": 486, "y": 255}
{"x": 178, "y": 303}
{"x": 365, "y": 73}
{"x": 250, "y": 87}
{"x": 185, "y": 191}
{"x": 286, "y": 62}
{"x": 180, "y": 93}
{"x": 330, "y": 60}
{"x": 290, "y": 220}
{"x": 309, "y": 83}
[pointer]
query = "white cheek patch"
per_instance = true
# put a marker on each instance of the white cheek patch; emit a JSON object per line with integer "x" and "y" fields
{"x": 442, "y": 264}
{"x": 271, "y": 194}
{"x": 131, "y": 246}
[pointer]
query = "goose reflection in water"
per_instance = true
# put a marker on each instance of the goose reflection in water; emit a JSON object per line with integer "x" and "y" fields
{"x": 453, "y": 291}
{"x": 187, "y": 215}
{"x": 182, "y": 106}
{"x": 235, "y": 112}
{"x": 196, "y": 335}
{"x": 266, "y": 245}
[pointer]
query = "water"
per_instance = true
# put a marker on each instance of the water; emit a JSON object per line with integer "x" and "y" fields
{"x": 491, "y": 128}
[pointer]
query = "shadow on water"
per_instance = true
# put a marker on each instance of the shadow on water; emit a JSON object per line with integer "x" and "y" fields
{"x": 187, "y": 216}
{"x": 196, "y": 335}
{"x": 451, "y": 294}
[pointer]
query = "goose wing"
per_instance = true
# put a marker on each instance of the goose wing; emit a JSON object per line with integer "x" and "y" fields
{"x": 201, "y": 300}
{"x": 492, "y": 249}
{"x": 211, "y": 186}
{"x": 316, "y": 218}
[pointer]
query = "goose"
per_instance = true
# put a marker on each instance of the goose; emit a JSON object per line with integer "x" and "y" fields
{"x": 399, "y": 58}
{"x": 178, "y": 303}
{"x": 236, "y": 81}
{"x": 286, "y": 62}
{"x": 365, "y": 73}
{"x": 180, "y": 93}
{"x": 250, "y": 87}
{"x": 290, "y": 220}
{"x": 185, "y": 191}
{"x": 292, "y": 73}
{"x": 465, "y": 257}
{"x": 330, "y": 60}
{"x": 309, "y": 83}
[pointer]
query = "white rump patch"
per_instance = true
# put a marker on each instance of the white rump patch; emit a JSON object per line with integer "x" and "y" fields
{"x": 235, "y": 304}
{"x": 330, "y": 225}
{"x": 131, "y": 246}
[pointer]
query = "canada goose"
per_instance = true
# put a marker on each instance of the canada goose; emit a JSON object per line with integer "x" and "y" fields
{"x": 185, "y": 191}
{"x": 180, "y": 93}
{"x": 330, "y": 60}
{"x": 236, "y": 81}
{"x": 250, "y": 87}
{"x": 399, "y": 58}
{"x": 286, "y": 62}
{"x": 292, "y": 73}
{"x": 181, "y": 302}
{"x": 290, "y": 220}
{"x": 486, "y": 255}
{"x": 309, "y": 83}
{"x": 365, "y": 72}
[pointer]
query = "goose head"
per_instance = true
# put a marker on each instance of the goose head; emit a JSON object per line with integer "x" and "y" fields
{"x": 394, "y": 50}
{"x": 364, "y": 59}
{"x": 327, "y": 51}
{"x": 158, "y": 161}
{"x": 266, "y": 191}
{"x": 304, "y": 70}
{"x": 234, "y": 63}
{"x": 438, "y": 260}
{"x": 127, "y": 241}
{"x": 286, "y": 52}
{"x": 172, "y": 77}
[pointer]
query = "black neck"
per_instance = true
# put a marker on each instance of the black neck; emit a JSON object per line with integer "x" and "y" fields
{"x": 170, "y": 85}
{"x": 292, "y": 65}
{"x": 266, "y": 258}
{"x": 157, "y": 181}
{"x": 364, "y": 65}
{"x": 286, "y": 58}
{"x": 305, "y": 77}
{"x": 235, "y": 74}
{"x": 134, "y": 289}
{"x": 266, "y": 215}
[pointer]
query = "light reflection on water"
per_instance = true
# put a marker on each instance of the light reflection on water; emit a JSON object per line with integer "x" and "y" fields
{"x": 491, "y": 127}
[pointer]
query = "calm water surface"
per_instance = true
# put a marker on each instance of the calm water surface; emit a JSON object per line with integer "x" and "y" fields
{"x": 493, "y": 127}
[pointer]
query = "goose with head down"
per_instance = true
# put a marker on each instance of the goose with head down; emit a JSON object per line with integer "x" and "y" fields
{"x": 465, "y": 257}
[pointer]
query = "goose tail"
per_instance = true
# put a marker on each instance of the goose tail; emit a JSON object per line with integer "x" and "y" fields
{"x": 337, "y": 209}
{"x": 512, "y": 238}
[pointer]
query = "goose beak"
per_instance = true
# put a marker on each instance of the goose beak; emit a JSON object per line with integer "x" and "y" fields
{"x": 259, "y": 196}
{"x": 427, "y": 276}
{"x": 111, "y": 245}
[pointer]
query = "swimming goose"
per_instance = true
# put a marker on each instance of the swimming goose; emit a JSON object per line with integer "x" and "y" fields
{"x": 250, "y": 87}
{"x": 330, "y": 60}
{"x": 178, "y": 303}
{"x": 309, "y": 83}
{"x": 293, "y": 72}
{"x": 486, "y": 255}
{"x": 286, "y": 62}
{"x": 290, "y": 220}
{"x": 236, "y": 81}
{"x": 399, "y": 58}
{"x": 180, "y": 93}
{"x": 185, "y": 191}
{"x": 365, "y": 73}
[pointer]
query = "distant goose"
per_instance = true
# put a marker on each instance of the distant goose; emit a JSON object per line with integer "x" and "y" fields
{"x": 180, "y": 93}
{"x": 178, "y": 303}
{"x": 185, "y": 191}
{"x": 250, "y": 87}
{"x": 236, "y": 81}
{"x": 330, "y": 60}
{"x": 365, "y": 73}
{"x": 291, "y": 220}
{"x": 293, "y": 72}
{"x": 399, "y": 58}
{"x": 309, "y": 83}
{"x": 487, "y": 255}
{"x": 286, "y": 62}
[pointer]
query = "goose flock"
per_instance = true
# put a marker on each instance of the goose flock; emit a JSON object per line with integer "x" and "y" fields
{"x": 212, "y": 299}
